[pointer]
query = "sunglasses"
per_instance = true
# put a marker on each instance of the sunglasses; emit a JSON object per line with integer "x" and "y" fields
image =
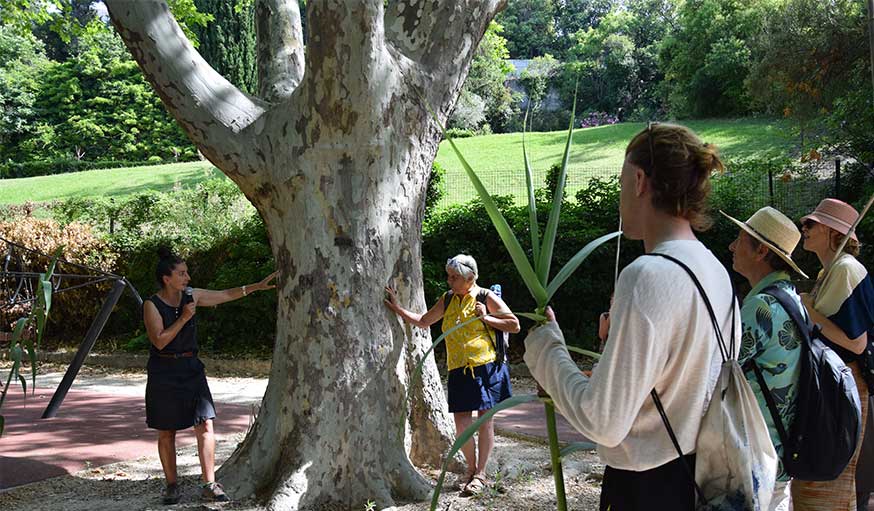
{"x": 452, "y": 262}
{"x": 649, "y": 137}
{"x": 808, "y": 224}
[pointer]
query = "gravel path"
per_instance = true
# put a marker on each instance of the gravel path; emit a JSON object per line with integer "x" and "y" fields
{"x": 520, "y": 470}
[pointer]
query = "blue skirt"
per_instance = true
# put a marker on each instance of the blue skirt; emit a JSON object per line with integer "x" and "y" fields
{"x": 488, "y": 386}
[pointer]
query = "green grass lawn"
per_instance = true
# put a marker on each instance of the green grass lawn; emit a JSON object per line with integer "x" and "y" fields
{"x": 105, "y": 182}
{"x": 496, "y": 158}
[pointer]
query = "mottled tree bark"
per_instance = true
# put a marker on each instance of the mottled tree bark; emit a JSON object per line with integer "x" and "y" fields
{"x": 335, "y": 155}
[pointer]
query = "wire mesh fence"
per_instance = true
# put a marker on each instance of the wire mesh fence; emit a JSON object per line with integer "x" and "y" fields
{"x": 791, "y": 189}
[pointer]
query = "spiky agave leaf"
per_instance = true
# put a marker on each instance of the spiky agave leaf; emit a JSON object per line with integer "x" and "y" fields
{"x": 576, "y": 446}
{"x": 533, "y": 226}
{"x": 549, "y": 235}
{"x": 470, "y": 431}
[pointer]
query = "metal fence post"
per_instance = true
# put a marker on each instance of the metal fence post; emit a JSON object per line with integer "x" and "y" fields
{"x": 838, "y": 178}
{"x": 770, "y": 186}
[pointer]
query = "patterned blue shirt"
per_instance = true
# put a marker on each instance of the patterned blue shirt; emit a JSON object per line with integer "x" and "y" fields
{"x": 772, "y": 340}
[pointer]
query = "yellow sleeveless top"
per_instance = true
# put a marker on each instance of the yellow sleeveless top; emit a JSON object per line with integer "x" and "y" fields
{"x": 470, "y": 345}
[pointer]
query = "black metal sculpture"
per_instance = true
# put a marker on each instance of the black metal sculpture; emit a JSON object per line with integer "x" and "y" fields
{"x": 17, "y": 285}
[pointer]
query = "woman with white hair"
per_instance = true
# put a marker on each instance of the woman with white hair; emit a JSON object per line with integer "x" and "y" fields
{"x": 477, "y": 380}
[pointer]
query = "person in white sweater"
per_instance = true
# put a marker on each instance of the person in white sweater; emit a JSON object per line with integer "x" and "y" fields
{"x": 661, "y": 336}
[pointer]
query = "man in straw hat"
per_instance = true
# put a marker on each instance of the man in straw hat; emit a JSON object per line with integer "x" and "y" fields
{"x": 762, "y": 253}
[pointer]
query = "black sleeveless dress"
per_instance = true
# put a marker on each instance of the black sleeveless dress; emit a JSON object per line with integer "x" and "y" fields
{"x": 177, "y": 395}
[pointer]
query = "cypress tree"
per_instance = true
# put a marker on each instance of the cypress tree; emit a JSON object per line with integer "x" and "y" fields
{"x": 228, "y": 42}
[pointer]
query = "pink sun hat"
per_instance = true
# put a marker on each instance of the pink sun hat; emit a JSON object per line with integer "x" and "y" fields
{"x": 836, "y": 214}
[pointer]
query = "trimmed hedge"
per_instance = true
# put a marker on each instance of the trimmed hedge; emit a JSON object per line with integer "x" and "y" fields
{"x": 13, "y": 170}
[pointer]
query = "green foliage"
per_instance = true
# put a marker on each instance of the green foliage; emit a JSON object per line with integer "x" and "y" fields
{"x": 139, "y": 343}
{"x": 436, "y": 189}
{"x": 547, "y": 193}
{"x": 537, "y": 77}
{"x": 804, "y": 54}
{"x": 60, "y": 33}
{"x": 572, "y": 16}
{"x": 605, "y": 63}
{"x": 469, "y": 113}
{"x": 97, "y": 106}
{"x": 530, "y": 27}
{"x": 219, "y": 234}
{"x": 65, "y": 17}
{"x": 707, "y": 58}
{"x": 28, "y": 333}
{"x": 228, "y": 42}
{"x": 812, "y": 66}
{"x": 488, "y": 72}
{"x": 859, "y": 187}
{"x": 22, "y": 61}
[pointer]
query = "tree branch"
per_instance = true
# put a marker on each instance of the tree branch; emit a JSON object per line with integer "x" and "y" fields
{"x": 345, "y": 37}
{"x": 208, "y": 107}
{"x": 280, "y": 48}
{"x": 440, "y": 36}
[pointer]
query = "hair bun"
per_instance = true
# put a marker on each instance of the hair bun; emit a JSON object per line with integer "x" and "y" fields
{"x": 164, "y": 252}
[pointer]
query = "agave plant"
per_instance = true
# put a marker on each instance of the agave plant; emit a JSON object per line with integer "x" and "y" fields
{"x": 20, "y": 344}
{"x": 536, "y": 278}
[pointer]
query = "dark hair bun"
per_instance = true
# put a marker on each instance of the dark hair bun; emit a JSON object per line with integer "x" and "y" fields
{"x": 164, "y": 252}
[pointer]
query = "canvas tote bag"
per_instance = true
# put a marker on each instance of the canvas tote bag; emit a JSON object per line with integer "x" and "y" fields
{"x": 735, "y": 464}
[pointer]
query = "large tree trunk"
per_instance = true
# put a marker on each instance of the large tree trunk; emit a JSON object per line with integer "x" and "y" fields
{"x": 335, "y": 156}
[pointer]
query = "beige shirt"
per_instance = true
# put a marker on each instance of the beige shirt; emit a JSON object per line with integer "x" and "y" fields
{"x": 660, "y": 337}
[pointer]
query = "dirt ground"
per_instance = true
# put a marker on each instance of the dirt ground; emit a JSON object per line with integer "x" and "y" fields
{"x": 520, "y": 478}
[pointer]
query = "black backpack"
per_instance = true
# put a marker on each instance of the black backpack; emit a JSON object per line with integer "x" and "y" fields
{"x": 827, "y": 426}
{"x": 500, "y": 340}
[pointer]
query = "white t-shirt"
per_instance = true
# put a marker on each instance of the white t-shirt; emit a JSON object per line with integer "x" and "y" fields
{"x": 660, "y": 337}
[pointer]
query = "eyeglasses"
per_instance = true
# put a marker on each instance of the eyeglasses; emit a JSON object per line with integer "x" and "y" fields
{"x": 649, "y": 127}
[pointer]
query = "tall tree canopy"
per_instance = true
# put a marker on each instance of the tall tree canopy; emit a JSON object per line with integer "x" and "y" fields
{"x": 227, "y": 43}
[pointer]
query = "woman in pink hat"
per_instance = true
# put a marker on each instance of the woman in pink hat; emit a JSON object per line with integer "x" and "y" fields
{"x": 844, "y": 307}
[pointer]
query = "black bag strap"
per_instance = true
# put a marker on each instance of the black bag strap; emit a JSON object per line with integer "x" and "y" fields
{"x": 686, "y": 467}
{"x": 785, "y": 301}
{"x": 447, "y": 297}
{"x": 772, "y": 405}
{"x": 722, "y": 350}
{"x": 791, "y": 308}
{"x": 497, "y": 342}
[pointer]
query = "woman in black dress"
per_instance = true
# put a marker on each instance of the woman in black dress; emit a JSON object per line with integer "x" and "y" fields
{"x": 177, "y": 395}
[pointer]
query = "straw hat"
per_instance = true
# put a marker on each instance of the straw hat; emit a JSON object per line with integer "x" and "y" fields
{"x": 836, "y": 214}
{"x": 775, "y": 230}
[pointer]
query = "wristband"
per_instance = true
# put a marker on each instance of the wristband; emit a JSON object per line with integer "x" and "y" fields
{"x": 244, "y": 290}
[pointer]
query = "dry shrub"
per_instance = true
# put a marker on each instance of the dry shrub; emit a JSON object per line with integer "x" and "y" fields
{"x": 72, "y": 311}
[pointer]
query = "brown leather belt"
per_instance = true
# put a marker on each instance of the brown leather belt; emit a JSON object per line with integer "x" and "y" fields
{"x": 185, "y": 354}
